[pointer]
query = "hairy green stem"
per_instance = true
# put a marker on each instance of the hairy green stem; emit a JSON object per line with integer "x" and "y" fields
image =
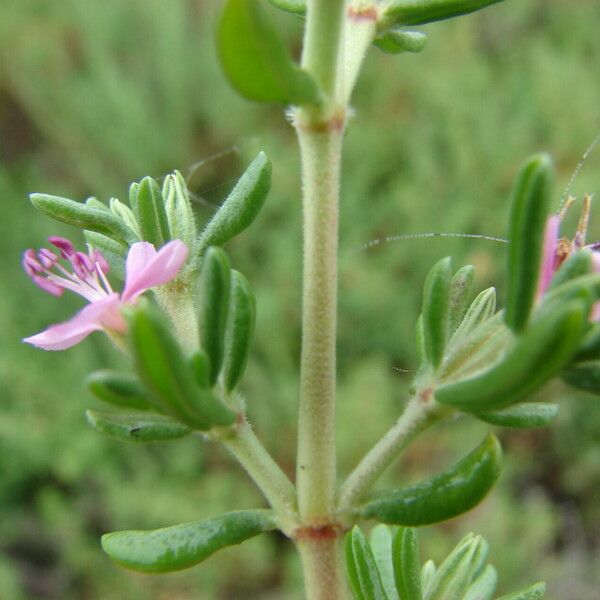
{"x": 417, "y": 417}
{"x": 242, "y": 442}
{"x": 321, "y": 557}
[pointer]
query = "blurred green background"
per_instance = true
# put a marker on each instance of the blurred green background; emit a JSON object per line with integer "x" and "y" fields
{"x": 96, "y": 94}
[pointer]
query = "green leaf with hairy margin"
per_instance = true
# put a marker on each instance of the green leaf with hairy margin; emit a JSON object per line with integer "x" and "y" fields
{"x": 182, "y": 546}
{"x": 533, "y": 592}
{"x": 149, "y": 210}
{"x": 120, "y": 389}
{"x": 436, "y": 311}
{"x": 396, "y": 41}
{"x": 138, "y": 427}
{"x": 241, "y": 206}
{"x": 380, "y": 540}
{"x": 484, "y": 586}
{"x": 213, "y": 289}
{"x": 255, "y": 59}
{"x": 542, "y": 352}
{"x": 419, "y": 12}
{"x": 83, "y": 216}
{"x": 584, "y": 376}
{"x": 166, "y": 372}
{"x": 442, "y": 497}
{"x": 529, "y": 415}
{"x": 529, "y": 210}
{"x": 407, "y": 565}
{"x": 365, "y": 580}
{"x": 239, "y": 330}
{"x": 297, "y": 7}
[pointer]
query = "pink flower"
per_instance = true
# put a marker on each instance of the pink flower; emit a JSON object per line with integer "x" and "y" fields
{"x": 556, "y": 250}
{"x": 145, "y": 268}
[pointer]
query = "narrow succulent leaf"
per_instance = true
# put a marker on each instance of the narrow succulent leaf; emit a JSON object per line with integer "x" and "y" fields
{"x": 420, "y": 340}
{"x": 460, "y": 290}
{"x": 380, "y": 540}
{"x": 214, "y": 288}
{"x": 427, "y": 577}
{"x": 178, "y": 207}
{"x": 139, "y": 427}
{"x": 479, "y": 559}
{"x": 134, "y": 190}
{"x": 576, "y": 265}
{"x": 529, "y": 209}
{"x": 365, "y": 569}
{"x": 125, "y": 214}
{"x": 241, "y": 206}
{"x": 444, "y": 496}
{"x": 151, "y": 214}
{"x": 533, "y": 592}
{"x": 589, "y": 349}
{"x": 522, "y": 416}
{"x": 239, "y": 330}
{"x": 83, "y": 216}
{"x": 436, "y": 311}
{"x": 120, "y": 389}
{"x": 584, "y": 376}
{"x": 297, "y": 7}
{"x": 93, "y": 202}
{"x": 114, "y": 252}
{"x": 484, "y": 586}
{"x": 164, "y": 369}
{"x": 255, "y": 59}
{"x": 480, "y": 310}
{"x": 535, "y": 357}
{"x": 200, "y": 364}
{"x": 395, "y": 41}
{"x": 453, "y": 576}
{"x": 585, "y": 288}
{"x": 407, "y": 565}
{"x": 352, "y": 567}
{"x": 182, "y": 546}
{"x": 419, "y": 12}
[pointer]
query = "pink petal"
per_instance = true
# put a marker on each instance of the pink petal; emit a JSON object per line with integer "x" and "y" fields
{"x": 91, "y": 318}
{"x": 548, "y": 254}
{"x": 146, "y": 268}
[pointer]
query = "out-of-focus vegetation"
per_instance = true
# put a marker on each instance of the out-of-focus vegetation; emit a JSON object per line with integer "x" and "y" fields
{"x": 96, "y": 94}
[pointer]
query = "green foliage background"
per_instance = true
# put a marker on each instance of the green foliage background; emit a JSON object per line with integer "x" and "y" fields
{"x": 96, "y": 94}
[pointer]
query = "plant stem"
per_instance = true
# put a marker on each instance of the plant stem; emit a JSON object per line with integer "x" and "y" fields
{"x": 417, "y": 417}
{"x": 322, "y": 567}
{"x": 316, "y": 461}
{"x": 242, "y": 442}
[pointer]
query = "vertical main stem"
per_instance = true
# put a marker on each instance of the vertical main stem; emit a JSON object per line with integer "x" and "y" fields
{"x": 316, "y": 460}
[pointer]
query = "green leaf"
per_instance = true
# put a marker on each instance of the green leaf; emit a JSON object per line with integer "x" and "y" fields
{"x": 460, "y": 289}
{"x": 120, "y": 389}
{"x": 577, "y": 264}
{"x": 137, "y": 427}
{"x": 365, "y": 580}
{"x": 484, "y": 586}
{"x": 584, "y": 376}
{"x": 522, "y": 416}
{"x": 480, "y": 310}
{"x": 442, "y": 497}
{"x": 239, "y": 329}
{"x": 533, "y": 592}
{"x": 83, "y": 216}
{"x": 396, "y": 41}
{"x": 533, "y": 358}
{"x": 255, "y": 59}
{"x": 182, "y": 546}
{"x": 149, "y": 210}
{"x": 114, "y": 252}
{"x": 200, "y": 364}
{"x": 178, "y": 207}
{"x": 454, "y": 574}
{"x": 241, "y": 206}
{"x": 436, "y": 311}
{"x": 419, "y": 12}
{"x": 407, "y": 569}
{"x": 214, "y": 287}
{"x": 380, "y": 541}
{"x": 529, "y": 209}
{"x": 427, "y": 577}
{"x": 164, "y": 369}
{"x": 589, "y": 348}
{"x": 297, "y": 7}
